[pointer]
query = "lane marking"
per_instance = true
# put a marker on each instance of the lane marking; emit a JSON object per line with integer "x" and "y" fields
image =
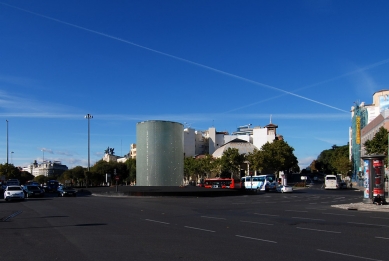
{"x": 338, "y": 214}
{"x": 302, "y": 211}
{"x": 319, "y": 230}
{"x": 337, "y": 253}
{"x": 253, "y": 238}
{"x": 382, "y": 237}
{"x": 11, "y": 216}
{"x": 317, "y": 208}
{"x": 356, "y": 223}
{"x": 380, "y": 217}
{"x": 309, "y": 218}
{"x": 196, "y": 228}
{"x": 259, "y": 223}
{"x": 266, "y": 215}
{"x": 156, "y": 221}
{"x": 213, "y": 217}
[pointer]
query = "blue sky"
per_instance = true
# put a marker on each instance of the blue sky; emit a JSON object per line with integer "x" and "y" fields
{"x": 204, "y": 63}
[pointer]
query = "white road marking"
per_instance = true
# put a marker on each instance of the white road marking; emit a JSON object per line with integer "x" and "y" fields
{"x": 156, "y": 221}
{"x": 339, "y": 214}
{"x": 309, "y": 218}
{"x": 319, "y": 230}
{"x": 257, "y": 223}
{"x": 253, "y": 238}
{"x": 266, "y": 215}
{"x": 380, "y": 217}
{"x": 337, "y": 253}
{"x": 304, "y": 211}
{"x": 367, "y": 224}
{"x": 213, "y": 217}
{"x": 206, "y": 230}
{"x": 382, "y": 237}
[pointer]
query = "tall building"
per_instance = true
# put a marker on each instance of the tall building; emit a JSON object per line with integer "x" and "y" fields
{"x": 365, "y": 122}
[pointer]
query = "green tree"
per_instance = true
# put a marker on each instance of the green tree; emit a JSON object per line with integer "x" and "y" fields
{"x": 41, "y": 179}
{"x": 277, "y": 156}
{"x": 131, "y": 168}
{"x": 231, "y": 161}
{"x": 379, "y": 144}
{"x": 255, "y": 159}
{"x": 334, "y": 161}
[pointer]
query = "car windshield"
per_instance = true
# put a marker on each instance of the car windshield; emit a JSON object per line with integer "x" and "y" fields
{"x": 33, "y": 188}
{"x": 14, "y": 188}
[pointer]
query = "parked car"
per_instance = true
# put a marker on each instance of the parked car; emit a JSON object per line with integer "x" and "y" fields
{"x": 271, "y": 186}
{"x": 284, "y": 189}
{"x": 32, "y": 191}
{"x": 64, "y": 191}
{"x": 13, "y": 193}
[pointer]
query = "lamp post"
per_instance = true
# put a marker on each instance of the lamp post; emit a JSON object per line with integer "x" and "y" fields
{"x": 7, "y": 141}
{"x": 88, "y": 117}
{"x": 12, "y": 153}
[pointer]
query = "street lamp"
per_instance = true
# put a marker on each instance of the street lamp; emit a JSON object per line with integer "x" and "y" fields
{"x": 7, "y": 141}
{"x": 88, "y": 117}
{"x": 12, "y": 153}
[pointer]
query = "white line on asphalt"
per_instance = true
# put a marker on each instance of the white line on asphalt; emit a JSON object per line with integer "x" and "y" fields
{"x": 264, "y": 240}
{"x": 367, "y": 224}
{"x": 309, "y": 218}
{"x": 296, "y": 210}
{"x": 206, "y": 230}
{"x": 380, "y": 217}
{"x": 325, "y": 202}
{"x": 157, "y": 221}
{"x": 266, "y": 215}
{"x": 319, "y": 230}
{"x": 257, "y": 223}
{"x": 338, "y": 214}
{"x": 382, "y": 237}
{"x": 317, "y": 208}
{"x": 337, "y": 253}
{"x": 212, "y": 217}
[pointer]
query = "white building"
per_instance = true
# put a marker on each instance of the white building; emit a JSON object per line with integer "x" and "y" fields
{"x": 46, "y": 168}
{"x": 207, "y": 142}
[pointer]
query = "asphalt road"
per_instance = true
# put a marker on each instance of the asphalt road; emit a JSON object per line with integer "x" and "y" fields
{"x": 269, "y": 226}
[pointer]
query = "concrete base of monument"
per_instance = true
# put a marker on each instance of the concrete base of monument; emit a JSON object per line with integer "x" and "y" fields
{"x": 158, "y": 191}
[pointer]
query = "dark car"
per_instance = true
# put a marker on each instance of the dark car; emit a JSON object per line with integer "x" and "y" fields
{"x": 64, "y": 191}
{"x": 31, "y": 191}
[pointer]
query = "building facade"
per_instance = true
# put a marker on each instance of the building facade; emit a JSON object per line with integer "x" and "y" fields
{"x": 365, "y": 122}
{"x": 46, "y": 168}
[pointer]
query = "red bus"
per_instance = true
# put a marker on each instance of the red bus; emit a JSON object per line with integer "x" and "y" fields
{"x": 222, "y": 183}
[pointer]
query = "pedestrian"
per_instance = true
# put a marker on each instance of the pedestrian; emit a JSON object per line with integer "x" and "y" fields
{"x": 377, "y": 200}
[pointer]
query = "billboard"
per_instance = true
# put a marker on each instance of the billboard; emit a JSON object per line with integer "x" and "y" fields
{"x": 358, "y": 130}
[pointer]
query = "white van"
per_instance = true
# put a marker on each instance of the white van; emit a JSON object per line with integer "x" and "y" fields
{"x": 331, "y": 182}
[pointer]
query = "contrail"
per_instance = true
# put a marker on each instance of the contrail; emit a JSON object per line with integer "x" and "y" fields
{"x": 185, "y": 60}
{"x": 370, "y": 66}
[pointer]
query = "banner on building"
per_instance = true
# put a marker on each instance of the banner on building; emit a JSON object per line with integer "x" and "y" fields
{"x": 358, "y": 130}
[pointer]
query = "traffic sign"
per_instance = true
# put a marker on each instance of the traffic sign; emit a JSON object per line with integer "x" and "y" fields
{"x": 117, "y": 177}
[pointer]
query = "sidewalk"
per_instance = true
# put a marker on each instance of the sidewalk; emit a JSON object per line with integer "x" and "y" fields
{"x": 363, "y": 207}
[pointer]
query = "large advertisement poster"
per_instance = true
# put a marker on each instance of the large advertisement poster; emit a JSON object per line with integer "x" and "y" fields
{"x": 366, "y": 184}
{"x": 358, "y": 130}
{"x": 378, "y": 178}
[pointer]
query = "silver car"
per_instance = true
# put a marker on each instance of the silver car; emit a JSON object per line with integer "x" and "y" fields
{"x": 13, "y": 193}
